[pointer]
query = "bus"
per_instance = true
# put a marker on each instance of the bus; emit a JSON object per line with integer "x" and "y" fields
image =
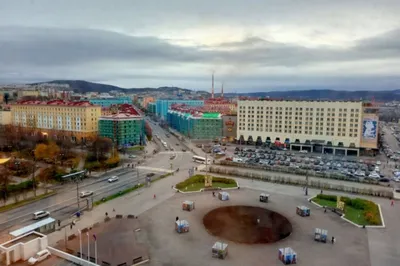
{"x": 198, "y": 159}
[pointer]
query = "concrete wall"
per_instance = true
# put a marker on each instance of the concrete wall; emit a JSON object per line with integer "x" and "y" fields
{"x": 70, "y": 257}
{"x": 23, "y": 251}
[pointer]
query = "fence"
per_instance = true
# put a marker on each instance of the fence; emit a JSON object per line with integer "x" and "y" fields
{"x": 299, "y": 182}
{"x": 287, "y": 170}
{"x": 70, "y": 257}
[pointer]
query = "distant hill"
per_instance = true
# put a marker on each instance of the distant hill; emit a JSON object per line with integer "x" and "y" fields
{"x": 86, "y": 86}
{"x": 325, "y": 95}
{"x": 317, "y": 94}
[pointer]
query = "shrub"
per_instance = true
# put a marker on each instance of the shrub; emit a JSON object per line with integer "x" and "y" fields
{"x": 327, "y": 197}
{"x": 200, "y": 179}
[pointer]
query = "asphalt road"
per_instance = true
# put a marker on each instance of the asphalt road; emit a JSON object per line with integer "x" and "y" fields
{"x": 63, "y": 205}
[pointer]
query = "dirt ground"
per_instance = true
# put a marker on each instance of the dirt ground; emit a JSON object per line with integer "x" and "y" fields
{"x": 169, "y": 248}
{"x": 247, "y": 224}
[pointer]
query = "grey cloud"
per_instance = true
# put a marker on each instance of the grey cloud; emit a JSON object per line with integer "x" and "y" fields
{"x": 35, "y": 54}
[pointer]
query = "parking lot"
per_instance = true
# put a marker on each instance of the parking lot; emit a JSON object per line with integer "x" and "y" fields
{"x": 350, "y": 167}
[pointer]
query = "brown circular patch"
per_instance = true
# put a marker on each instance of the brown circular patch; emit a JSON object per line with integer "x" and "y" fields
{"x": 239, "y": 224}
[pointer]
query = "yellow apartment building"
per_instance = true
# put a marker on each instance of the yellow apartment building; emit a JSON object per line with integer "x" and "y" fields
{"x": 333, "y": 127}
{"x": 77, "y": 119}
{"x": 5, "y": 117}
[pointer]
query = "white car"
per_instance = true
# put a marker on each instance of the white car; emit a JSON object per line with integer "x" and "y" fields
{"x": 85, "y": 194}
{"x": 132, "y": 156}
{"x": 40, "y": 214}
{"x": 378, "y": 163}
{"x": 41, "y": 255}
{"x": 303, "y": 151}
{"x": 113, "y": 179}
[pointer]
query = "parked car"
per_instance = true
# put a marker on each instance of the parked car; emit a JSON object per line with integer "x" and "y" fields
{"x": 132, "y": 156}
{"x": 38, "y": 257}
{"x": 85, "y": 194}
{"x": 303, "y": 151}
{"x": 40, "y": 214}
{"x": 113, "y": 179}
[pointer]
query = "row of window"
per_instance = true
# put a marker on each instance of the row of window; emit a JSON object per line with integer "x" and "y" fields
{"x": 299, "y": 109}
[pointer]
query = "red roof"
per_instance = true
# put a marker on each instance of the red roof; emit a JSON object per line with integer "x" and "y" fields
{"x": 125, "y": 109}
{"x": 56, "y": 102}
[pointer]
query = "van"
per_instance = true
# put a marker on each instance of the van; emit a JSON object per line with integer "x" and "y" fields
{"x": 40, "y": 215}
{"x": 38, "y": 257}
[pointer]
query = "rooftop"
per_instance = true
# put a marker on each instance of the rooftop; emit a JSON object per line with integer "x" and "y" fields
{"x": 56, "y": 102}
{"x": 120, "y": 116}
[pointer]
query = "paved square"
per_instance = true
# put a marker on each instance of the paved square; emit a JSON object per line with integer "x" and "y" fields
{"x": 168, "y": 248}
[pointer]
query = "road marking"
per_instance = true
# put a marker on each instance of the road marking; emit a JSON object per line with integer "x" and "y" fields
{"x": 154, "y": 169}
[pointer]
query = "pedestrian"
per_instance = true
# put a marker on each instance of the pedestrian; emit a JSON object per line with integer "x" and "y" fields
{"x": 321, "y": 191}
{"x": 113, "y": 210}
{"x": 154, "y": 196}
{"x": 392, "y": 203}
{"x": 59, "y": 223}
{"x": 106, "y": 214}
{"x": 333, "y": 240}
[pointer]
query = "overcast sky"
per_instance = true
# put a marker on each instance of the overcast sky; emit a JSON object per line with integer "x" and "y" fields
{"x": 251, "y": 45}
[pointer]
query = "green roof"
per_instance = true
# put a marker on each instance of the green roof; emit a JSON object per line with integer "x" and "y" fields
{"x": 211, "y": 115}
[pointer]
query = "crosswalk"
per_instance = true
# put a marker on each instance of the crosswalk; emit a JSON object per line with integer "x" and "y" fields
{"x": 154, "y": 169}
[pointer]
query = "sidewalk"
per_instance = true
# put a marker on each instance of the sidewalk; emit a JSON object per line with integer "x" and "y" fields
{"x": 134, "y": 203}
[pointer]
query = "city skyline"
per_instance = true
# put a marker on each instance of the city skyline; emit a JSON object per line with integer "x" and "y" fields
{"x": 257, "y": 46}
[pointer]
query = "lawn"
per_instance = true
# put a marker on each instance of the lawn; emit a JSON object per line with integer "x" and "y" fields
{"x": 198, "y": 186}
{"x": 352, "y": 214}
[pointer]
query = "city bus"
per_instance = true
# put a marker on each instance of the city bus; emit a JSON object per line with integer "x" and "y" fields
{"x": 198, "y": 159}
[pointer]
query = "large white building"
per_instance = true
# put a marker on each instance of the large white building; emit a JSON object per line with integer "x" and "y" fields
{"x": 321, "y": 126}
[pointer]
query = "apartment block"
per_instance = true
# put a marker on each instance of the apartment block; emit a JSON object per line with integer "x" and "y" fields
{"x": 321, "y": 126}
{"x": 77, "y": 119}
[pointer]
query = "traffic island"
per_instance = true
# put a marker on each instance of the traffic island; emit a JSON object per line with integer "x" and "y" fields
{"x": 360, "y": 212}
{"x": 199, "y": 183}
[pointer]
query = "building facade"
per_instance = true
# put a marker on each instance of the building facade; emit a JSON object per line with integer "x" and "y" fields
{"x": 123, "y": 129}
{"x": 162, "y": 106}
{"x": 321, "y": 126}
{"x": 220, "y": 105}
{"x": 196, "y": 125}
{"x": 151, "y": 108}
{"x": 106, "y": 102}
{"x": 77, "y": 119}
{"x": 5, "y": 117}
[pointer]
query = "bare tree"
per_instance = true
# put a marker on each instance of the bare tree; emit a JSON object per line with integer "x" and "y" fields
{"x": 4, "y": 182}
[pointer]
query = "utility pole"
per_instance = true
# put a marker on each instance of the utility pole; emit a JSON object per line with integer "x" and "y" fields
{"x": 77, "y": 192}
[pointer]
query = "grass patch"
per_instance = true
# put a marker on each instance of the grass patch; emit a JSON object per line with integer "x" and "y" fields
{"x": 359, "y": 211}
{"x": 196, "y": 182}
{"x": 117, "y": 195}
{"x": 26, "y": 201}
{"x": 128, "y": 190}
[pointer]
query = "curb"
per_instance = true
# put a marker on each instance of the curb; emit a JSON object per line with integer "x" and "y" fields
{"x": 202, "y": 189}
{"x": 357, "y": 225}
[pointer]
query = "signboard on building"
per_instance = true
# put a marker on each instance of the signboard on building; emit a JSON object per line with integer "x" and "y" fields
{"x": 369, "y": 131}
{"x": 229, "y": 126}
